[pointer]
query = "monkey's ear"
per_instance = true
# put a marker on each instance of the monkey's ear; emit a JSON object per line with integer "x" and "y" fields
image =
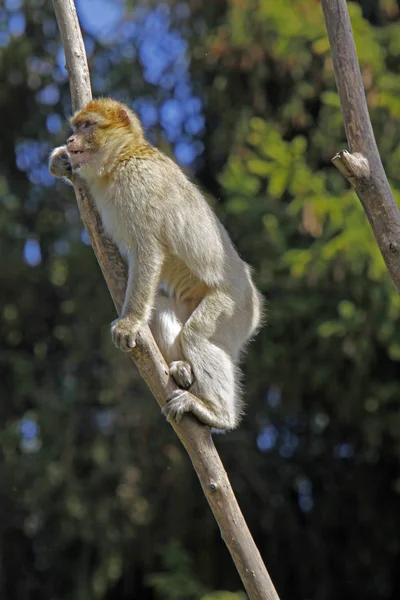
{"x": 124, "y": 117}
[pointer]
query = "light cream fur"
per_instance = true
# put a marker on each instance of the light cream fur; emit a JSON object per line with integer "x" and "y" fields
{"x": 185, "y": 277}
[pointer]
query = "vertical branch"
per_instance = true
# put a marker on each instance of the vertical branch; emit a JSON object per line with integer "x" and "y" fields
{"x": 75, "y": 53}
{"x": 363, "y": 168}
{"x": 195, "y": 437}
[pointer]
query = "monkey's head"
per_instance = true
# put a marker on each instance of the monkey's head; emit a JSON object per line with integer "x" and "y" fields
{"x": 102, "y": 131}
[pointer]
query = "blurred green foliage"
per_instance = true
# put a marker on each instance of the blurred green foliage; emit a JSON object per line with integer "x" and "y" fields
{"x": 98, "y": 499}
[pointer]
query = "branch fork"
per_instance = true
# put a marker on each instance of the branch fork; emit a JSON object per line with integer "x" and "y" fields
{"x": 363, "y": 167}
{"x": 355, "y": 167}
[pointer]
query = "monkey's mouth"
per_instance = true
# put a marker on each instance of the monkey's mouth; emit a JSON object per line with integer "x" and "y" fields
{"x": 78, "y": 157}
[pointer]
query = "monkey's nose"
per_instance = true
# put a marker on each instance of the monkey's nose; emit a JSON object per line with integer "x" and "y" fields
{"x": 70, "y": 140}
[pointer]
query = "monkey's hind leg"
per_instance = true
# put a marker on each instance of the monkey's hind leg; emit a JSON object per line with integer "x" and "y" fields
{"x": 213, "y": 397}
{"x": 166, "y": 327}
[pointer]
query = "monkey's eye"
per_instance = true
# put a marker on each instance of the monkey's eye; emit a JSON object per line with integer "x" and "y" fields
{"x": 87, "y": 124}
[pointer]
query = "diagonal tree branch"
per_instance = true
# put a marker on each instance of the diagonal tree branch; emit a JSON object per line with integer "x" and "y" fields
{"x": 195, "y": 437}
{"x": 363, "y": 168}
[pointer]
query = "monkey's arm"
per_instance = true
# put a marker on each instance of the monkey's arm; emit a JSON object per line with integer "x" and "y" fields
{"x": 143, "y": 278}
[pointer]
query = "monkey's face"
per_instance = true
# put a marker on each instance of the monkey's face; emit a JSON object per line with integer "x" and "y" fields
{"x": 81, "y": 145}
{"x": 100, "y": 131}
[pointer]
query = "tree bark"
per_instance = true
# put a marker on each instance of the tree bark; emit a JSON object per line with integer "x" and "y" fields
{"x": 195, "y": 437}
{"x": 363, "y": 167}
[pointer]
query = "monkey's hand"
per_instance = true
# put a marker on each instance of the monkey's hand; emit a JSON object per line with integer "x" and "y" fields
{"x": 124, "y": 332}
{"x": 60, "y": 163}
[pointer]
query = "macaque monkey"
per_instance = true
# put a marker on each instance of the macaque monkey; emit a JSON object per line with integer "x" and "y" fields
{"x": 185, "y": 278}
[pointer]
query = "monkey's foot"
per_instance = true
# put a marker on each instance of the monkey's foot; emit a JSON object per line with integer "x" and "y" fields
{"x": 182, "y": 373}
{"x": 181, "y": 402}
{"x": 124, "y": 332}
{"x": 178, "y": 403}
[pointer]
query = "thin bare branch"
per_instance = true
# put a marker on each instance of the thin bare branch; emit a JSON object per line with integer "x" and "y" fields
{"x": 195, "y": 437}
{"x": 363, "y": 168}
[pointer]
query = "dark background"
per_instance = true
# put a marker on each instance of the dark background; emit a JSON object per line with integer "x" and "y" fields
{"x": 98, "y": 500}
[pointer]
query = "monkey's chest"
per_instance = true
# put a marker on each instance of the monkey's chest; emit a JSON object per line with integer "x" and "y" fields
{"x": 118, "y": 223}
